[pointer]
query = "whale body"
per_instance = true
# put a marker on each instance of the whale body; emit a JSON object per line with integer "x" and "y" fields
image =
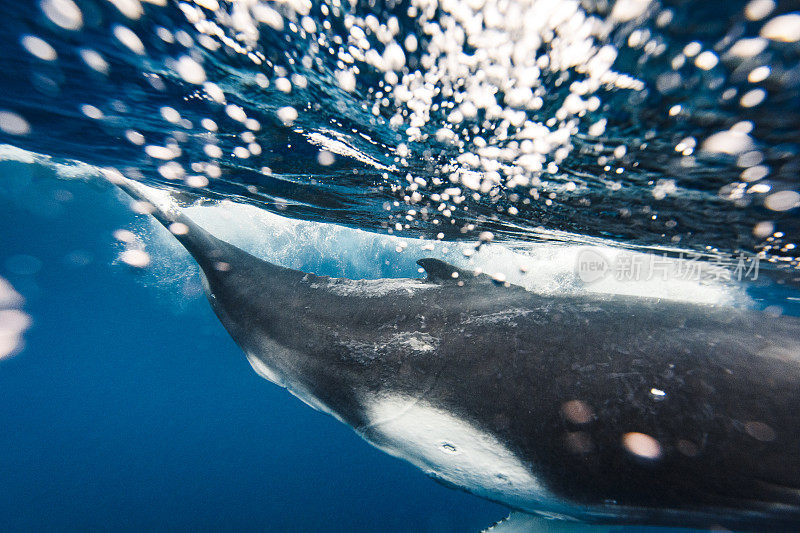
{"x": 598, "y": 408}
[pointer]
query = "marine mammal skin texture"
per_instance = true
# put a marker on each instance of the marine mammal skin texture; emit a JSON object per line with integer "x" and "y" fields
{"x": 598, "y": 408}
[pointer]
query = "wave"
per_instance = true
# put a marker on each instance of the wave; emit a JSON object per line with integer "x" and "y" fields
{"x": 551, "y": 267}
{"x": 638, "y": 122}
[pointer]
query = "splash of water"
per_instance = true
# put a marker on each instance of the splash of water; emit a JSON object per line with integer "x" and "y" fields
{"x": 637, "y": 122}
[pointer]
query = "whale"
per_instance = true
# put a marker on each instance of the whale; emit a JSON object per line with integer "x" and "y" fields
{"x": 597, "y": 408}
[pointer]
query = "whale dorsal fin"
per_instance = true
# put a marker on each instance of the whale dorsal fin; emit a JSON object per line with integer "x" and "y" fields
{"x": 442, "y": 272}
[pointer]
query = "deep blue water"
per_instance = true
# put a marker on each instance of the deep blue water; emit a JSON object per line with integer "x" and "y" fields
{"x": 129, "y": 411}
{"x": 129, "y": 407}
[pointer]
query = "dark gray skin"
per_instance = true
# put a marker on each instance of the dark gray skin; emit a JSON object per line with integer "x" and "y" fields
{"x": 507, "y": 361}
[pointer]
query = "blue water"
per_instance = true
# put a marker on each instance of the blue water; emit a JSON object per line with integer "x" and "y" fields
{"x": 126, "y": 404}
{"x": 127, "y": 411}
{"x": 709, "y": 206}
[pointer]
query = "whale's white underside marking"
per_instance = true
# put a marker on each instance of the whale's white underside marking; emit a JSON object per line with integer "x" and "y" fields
{"x": 450, "y": 448}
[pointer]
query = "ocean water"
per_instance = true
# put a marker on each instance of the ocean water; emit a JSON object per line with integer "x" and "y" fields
{"x": 133, "y": 409}
{"x": 349, "y": 139}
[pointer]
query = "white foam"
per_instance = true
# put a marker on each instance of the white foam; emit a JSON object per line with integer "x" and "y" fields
{"x": 547, "y": 268}
{"x": 544, "y": 268}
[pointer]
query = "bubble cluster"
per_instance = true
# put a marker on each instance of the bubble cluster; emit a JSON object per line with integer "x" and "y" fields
{"x": 464, "y": 116}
